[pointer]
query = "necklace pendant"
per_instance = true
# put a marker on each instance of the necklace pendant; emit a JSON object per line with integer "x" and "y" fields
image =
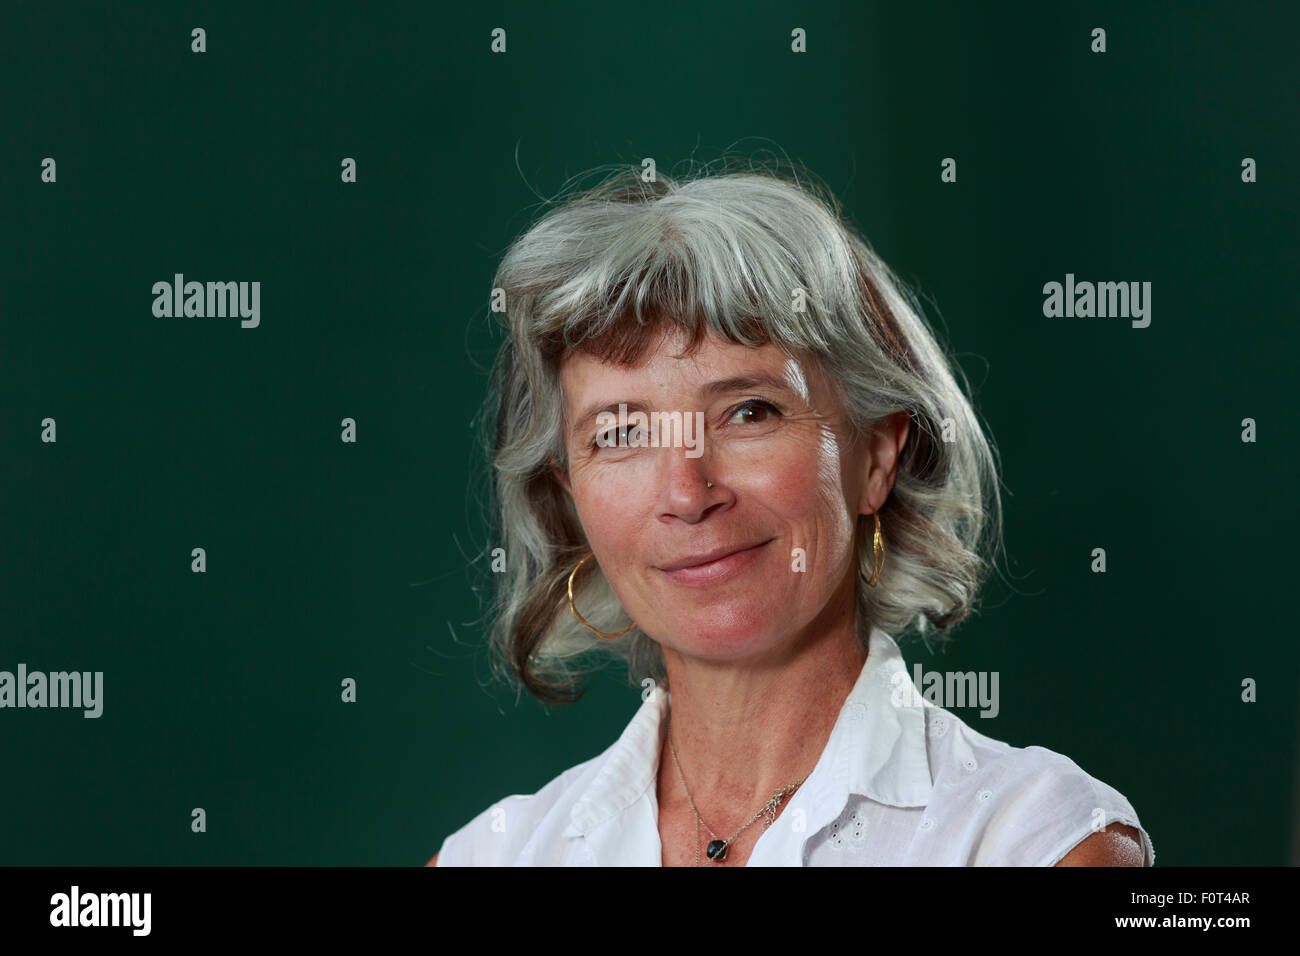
{"x": 716, "y": 850}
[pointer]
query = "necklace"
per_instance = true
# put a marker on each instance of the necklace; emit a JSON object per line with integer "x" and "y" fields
{"x": 717, "y": 849}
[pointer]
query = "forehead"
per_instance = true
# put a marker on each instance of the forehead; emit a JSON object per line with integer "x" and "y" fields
{"x": 665, "y": 372}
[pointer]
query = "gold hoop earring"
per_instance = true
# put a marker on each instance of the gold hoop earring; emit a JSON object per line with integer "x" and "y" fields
{"x": 574, "y": 608}
{"x": 877, "y": 552}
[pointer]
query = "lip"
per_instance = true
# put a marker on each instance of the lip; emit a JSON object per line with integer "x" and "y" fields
{"x": 713, "y": 566}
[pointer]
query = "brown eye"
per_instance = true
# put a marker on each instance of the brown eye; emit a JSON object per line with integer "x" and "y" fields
{"x": 755, "y": 407}
{"x": 623, "y": 437}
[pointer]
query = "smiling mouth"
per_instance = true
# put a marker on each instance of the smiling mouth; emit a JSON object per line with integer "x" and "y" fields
{"x": 714, "y": 569}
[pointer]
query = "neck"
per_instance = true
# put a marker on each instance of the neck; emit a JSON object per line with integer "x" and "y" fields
{"x": 743, "y": 730}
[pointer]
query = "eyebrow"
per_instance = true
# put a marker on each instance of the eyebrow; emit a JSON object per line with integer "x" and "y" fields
{"x": 735, "y": 383}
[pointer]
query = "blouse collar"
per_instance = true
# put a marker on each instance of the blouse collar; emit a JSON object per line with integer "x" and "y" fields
{"x": 877, "y": 749}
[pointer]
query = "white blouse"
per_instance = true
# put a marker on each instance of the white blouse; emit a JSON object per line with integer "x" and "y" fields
{"x": 901, "y": 782}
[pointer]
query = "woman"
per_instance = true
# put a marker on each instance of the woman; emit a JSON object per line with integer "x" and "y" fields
{"x": 839, "y": 491}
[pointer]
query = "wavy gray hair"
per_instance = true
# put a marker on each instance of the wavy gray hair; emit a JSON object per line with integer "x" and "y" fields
{"x": 606, "y": 270}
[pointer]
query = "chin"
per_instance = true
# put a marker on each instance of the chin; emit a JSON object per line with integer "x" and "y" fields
{"x": 719, "y": 634}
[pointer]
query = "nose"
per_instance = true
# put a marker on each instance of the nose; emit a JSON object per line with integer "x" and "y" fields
{"x": 688, "y": 490}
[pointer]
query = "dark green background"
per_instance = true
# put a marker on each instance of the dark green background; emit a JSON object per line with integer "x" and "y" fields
{"x": 328, "y": 560}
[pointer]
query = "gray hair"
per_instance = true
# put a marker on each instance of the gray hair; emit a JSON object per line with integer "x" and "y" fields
{"x": 603, "y": 272}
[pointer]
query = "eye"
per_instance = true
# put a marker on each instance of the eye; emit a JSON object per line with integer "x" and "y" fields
{"x": 623, "y": 437}
{"x": 760, "y": 406}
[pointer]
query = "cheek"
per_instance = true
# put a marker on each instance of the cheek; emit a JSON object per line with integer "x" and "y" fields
{"x": 800, "y": 482}
{"x": 606, "y": 505}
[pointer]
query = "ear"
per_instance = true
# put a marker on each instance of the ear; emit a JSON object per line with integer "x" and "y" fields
{"x": 879, "y": 449}
{"x": 561, "y": 476}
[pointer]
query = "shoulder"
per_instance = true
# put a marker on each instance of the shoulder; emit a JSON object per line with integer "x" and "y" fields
{"x": 1025, "y": 806}
{"x": 504, "y": 833}
{"x": 1117, "y": 845}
